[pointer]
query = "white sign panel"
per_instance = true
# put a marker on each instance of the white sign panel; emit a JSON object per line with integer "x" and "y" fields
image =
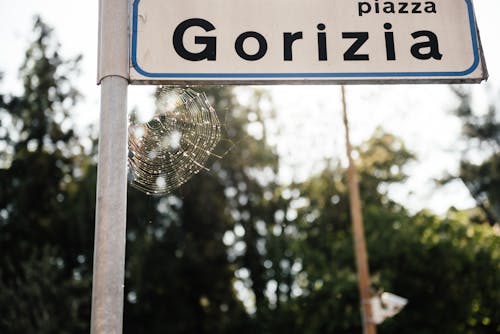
{"x": 304, "y": 41}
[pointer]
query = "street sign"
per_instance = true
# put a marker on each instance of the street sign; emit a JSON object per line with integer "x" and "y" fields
{"x": 305, "y": 41}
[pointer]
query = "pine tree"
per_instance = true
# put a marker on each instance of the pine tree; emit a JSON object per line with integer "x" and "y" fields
{"x": 44, "y": 237}
{"x": 180, "y": 273}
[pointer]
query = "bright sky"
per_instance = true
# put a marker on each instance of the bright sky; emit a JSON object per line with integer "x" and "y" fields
{"x": 309, "y": 117}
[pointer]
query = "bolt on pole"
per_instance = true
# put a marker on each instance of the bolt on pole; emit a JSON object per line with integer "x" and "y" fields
{"x": 111, "y": 201}
{"x": 358, "y": 231}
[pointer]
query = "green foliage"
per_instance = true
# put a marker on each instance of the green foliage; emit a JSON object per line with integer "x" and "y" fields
{"x": 179, "y": 275}
{"x": 45, "y": 238}
{"x": 448, "y": 269}
{"x": 38, "y": 297}
{"x": 483, "y": 138}
{"x": 315, "y": 270}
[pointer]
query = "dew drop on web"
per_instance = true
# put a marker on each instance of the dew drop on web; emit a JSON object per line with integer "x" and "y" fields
{"x": 167, "y": 150}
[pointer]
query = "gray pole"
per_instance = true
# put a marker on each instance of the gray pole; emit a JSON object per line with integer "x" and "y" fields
{"x": 111, "y": 202}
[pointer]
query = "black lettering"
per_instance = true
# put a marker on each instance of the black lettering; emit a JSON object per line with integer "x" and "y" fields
{"x": 322, "y": 52}
{"x": 430, "y": 7}
{"x": 389, "y": 7}
{"x": 403, "y": 8}
{"x": 261, "y": 52}
{"x": 361, "y": 38}
{"x": 288, "y": 39}
{"x": 389, "y": 42}
{"x": 416, "y": 8}
{"x": 432, "y": 45}
{"x": 208, "y": 53}
{"x": 364, "y": 8}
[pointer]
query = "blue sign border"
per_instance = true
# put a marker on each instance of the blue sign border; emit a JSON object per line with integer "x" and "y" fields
{"x": 305, "y": 75}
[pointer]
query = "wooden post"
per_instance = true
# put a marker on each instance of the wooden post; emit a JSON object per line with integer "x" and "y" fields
{"x": 358, "y": 232}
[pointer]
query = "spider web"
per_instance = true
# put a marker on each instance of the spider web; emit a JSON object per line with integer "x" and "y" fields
{"x": 175, "y": 144}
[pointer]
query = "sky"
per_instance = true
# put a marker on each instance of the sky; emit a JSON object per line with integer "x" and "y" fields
{"x": 308, "y": 116}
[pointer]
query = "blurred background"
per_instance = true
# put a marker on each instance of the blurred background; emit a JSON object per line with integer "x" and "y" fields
{"x": 261, "y": 242}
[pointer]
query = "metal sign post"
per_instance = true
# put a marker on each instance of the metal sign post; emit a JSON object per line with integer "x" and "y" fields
{"x": 109, "y": 243}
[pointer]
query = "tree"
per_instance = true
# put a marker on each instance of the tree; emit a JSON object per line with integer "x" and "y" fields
{"x": 44, "y": 236}
{"x": 180, "y": 273}
{"x": 321, "y": 294}
{"x": 482, "y": 134}
{"x": 447, "y": 268}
